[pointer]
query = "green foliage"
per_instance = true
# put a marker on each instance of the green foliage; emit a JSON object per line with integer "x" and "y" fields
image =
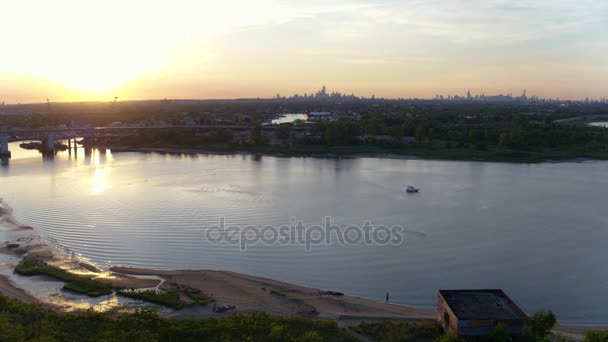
{"x": 282, "y": 131}
{"x": 498, "y": 334}
{"x": 31, "y": 322}
{"x": 74, "y": 283}
{"x": 400, "y": 332}
{"x": 277, "y": 293}
{"x": 538, "y": 327}
{"x": 257, "y": 138}
{"x": 196, "y": 295}
{"x": 171, "y": 298}
{"x": 342, "y": 132}
{"x": 449, "y": 337}
{"x": 596, "y": 336}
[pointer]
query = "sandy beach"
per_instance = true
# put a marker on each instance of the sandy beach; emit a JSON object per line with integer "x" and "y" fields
{"x": 250, "y": 293}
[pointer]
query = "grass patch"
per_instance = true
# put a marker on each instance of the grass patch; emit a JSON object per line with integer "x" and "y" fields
{"x": 171, "y": 298}
{"x": 90, "y": 287}
{"x": 403, "y": 332}
{"x": 196, "y": 295}
{"x": 277, "y": 293}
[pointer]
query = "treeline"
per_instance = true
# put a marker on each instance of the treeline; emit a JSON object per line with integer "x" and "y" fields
{"x": 515, "y": 132}
{"x": 172, "y": 111}
{"x": 32, "y": 322}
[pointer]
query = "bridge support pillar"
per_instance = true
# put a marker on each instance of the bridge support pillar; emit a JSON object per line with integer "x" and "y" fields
{"x": 4, "y": 152}
{"x": 49, "y": 144}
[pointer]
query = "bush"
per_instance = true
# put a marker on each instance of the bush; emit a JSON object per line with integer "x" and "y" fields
{"x": 389, "y": 331}
{"x": 31, "y": 322}
{"x": 169, "y": 299}
{"x": 538, "y": 327}
{"x": 596, "y": 336}
{"x": 172, "y": 297}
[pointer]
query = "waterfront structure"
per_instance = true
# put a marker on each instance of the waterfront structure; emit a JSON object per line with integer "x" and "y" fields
{"x": 319, "y": 116}
{"x": 477, "y": 312}
{"x": 4, "y": 152}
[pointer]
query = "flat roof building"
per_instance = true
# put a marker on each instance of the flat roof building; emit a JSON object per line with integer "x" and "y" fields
{"x": 477, "y": 312}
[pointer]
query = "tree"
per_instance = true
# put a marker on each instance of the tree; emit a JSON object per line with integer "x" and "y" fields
{"x": 538, "y": 327}
{"x": 420, "y": 134}
{"x": 256, "y": 135}
{"x": 499, "y": 334}
{"x": 343, "y": 132}
{"x": 503, "y": 139}
{"x": 282, "y": 132}
{"x": 448, "y": 337}
{"x": 596, "y": 336}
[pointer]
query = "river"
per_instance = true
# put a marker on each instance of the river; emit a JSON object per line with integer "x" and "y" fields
{"x": 538, "y": 231}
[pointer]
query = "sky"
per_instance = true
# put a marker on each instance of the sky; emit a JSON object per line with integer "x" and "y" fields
{"x": 68, "y": 50}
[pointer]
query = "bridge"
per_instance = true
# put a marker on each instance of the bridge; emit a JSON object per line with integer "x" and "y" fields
{"x": 48, "y": 136}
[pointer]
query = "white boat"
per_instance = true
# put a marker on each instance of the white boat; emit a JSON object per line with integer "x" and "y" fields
{"x": 410, "y": 188}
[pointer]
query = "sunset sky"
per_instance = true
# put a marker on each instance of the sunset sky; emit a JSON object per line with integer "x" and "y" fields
{"x": 75, "y": 50}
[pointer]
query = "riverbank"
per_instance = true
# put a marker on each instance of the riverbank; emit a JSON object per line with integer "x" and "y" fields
{"x": 249, "y": 293}
{"x": 9, "y": 289}
{"x": 490, "y": 154}
{"x": 239, "y": 292}
{"x": 233, "y": 292}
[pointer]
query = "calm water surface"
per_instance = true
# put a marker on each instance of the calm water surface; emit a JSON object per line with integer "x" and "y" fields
{"x": 539, "y": 231}
{"x": 288, "y": 118}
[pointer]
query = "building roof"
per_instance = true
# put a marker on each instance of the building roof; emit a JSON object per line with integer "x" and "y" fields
{"x": 482, "y": 305}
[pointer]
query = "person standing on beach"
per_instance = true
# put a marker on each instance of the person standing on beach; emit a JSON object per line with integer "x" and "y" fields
{"x": 387, "y": 296}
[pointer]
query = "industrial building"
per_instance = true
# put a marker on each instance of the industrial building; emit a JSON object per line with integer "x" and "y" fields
{"x": 477, "y": 312}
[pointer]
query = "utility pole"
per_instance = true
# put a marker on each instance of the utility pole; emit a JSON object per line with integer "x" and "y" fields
{"x": 114, "y": 102}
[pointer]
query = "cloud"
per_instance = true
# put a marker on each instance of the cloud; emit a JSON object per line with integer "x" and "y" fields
{"x": 493, "y": 21}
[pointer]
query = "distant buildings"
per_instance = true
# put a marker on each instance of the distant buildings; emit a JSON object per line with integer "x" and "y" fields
{"x": 477, "y": 312}
{"x": 319, "y": 116}
{"x": 323, "y": 94}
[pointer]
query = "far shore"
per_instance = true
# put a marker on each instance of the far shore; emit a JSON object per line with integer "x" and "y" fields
{"x": 329, "y": 153}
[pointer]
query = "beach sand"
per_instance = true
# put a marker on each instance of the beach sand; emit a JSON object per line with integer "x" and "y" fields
{"x": 250, "y": 293}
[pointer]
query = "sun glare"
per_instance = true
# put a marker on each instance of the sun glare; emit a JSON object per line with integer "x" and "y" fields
{"x": 88, "y": 51}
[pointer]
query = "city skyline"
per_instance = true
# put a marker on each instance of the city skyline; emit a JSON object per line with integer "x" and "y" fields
{"x": 325, "y": 93}
{"x": 74, "y": 51}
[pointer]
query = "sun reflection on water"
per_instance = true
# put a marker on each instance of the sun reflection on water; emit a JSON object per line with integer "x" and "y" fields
{"x": 101, "y": 179}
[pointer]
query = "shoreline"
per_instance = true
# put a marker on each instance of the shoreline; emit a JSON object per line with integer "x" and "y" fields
{"x": 246, "y": 293}
{"x": 334, "y": 155}
{"x": 251, "y": 293}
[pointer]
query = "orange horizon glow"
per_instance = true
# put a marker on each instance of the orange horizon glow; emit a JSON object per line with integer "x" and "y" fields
{"x": 68, "y": 51}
